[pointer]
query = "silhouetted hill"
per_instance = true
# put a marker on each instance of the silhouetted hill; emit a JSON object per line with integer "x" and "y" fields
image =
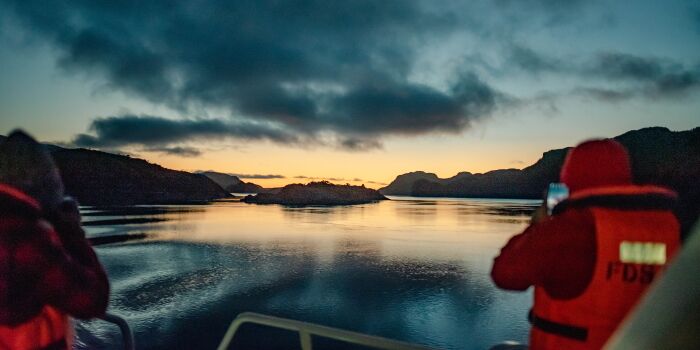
{"x": 504, "y": 183}
{"x": 671, "y": 159}
{"x": 233, "y": 184}
{"x": 659, "y": 156}
{"x": 403, "y": 184}
{"x": 223, "y": 180}
{"x": 317, "y": 193}
{"x": 246, "y": 187}
{"x": 99, "y": 178}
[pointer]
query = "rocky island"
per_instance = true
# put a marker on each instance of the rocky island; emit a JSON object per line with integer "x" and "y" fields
{"x": 317, "y": 193}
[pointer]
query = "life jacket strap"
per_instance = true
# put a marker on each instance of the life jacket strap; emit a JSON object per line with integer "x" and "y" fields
{"x": 561, "y": 329}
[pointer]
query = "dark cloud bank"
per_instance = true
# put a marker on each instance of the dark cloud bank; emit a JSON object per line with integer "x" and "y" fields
{"x": 152, "y": 131}
{"x": 649, "y": 77}
{"x": 287, "y": 72}
{"x": 296, "y": 72}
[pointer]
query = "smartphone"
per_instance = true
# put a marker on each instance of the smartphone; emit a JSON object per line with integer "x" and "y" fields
{"x": 556, "y": 193}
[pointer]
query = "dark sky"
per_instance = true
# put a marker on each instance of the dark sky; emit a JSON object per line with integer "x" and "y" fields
{"x": 173, "y": 77}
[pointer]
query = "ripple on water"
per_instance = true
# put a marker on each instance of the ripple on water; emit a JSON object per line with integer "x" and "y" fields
{"x": 415, "y": 270}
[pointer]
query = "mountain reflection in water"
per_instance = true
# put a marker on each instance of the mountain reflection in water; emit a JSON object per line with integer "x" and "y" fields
{"x": 409, "y": 269}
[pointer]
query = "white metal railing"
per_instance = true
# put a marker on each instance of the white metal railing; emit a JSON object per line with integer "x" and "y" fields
{"x": 306, "y": 330}
{"x": 127, "y": 335}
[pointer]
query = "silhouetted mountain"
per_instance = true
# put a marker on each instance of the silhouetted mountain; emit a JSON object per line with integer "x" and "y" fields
{"x": 233, "y": 184}
{"x": 317, "y": 193}
{"x": 671, "y": 159}
{"x": 223, "y": 180}
{"x": 99, "y": 178}
{"x": 659, "y": 156}
{"x": 247, "y": 187}
{"x": 505, "y": 183}
{"x": 403, "y": 184}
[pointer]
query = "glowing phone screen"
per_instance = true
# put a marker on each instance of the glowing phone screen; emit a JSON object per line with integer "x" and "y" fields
{"x": 557, "y": 192}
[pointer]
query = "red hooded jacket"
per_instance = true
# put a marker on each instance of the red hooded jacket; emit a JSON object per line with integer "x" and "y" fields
{"x": 44, "y": 265}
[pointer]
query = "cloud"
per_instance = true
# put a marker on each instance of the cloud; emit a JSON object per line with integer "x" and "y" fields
{"x": 377, "y": 183}
{"x": 334, "y": 179}
{"x": 615, "y": 65}
{"x": 258, "y": 176}
{"x": 412, "y": 109}
{"x": 288, "y": 72}
{"x": 124, "y": 130}
{"x": 245, "y": 176}
{"x": 621, "y": 75}
{"x": 604, "y": 94}
{"x": 530, "y": 61}
{"x": 550, "y": 12}
{"x": 177, "y": 151}
{"x": 649, "y": 77}
{"x": 359, "y": 144}
{"x": 346, "y": 74}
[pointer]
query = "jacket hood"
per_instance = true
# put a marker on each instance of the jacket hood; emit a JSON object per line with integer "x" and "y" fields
{"x": 28, "y": 166}
{"x": 596, "y": 163}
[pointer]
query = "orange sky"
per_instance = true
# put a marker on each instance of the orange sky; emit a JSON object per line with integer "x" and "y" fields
{"x": 497, "y": 143}
{"x": 444, "y": 155}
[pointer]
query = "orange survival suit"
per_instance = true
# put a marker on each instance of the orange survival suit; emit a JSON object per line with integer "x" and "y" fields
{"x": 620, "y": 238}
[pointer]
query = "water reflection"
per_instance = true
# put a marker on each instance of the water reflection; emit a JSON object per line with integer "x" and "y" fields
{"x": 138, "y": 210}
{"x": 114, "y": 224}
{"x": 373, "y": 268}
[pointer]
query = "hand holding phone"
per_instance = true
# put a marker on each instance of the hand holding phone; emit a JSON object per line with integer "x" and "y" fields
{"x": 66, "y": 220}
{"x": 556, "y": 193}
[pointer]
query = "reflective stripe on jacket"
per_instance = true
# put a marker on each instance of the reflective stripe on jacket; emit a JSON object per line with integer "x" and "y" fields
{"x": 633, "y": 245}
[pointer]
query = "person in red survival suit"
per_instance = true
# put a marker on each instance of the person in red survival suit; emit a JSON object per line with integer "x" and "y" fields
{"x": 594, "y": 257}
{"x": 48, "y": 271}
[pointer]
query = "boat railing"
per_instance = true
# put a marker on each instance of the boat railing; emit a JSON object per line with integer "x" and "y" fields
{"x": 306, "y": 330}
{"x": 127, "y": 334}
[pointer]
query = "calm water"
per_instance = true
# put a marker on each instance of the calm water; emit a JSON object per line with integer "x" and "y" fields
{"x": 410, "y": 269}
